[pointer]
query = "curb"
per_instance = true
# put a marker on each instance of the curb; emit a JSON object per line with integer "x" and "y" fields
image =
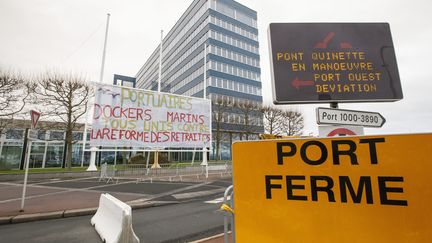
{"x": 36, "y": 216}
{"x": 79, "y": 212}
{"x": 208, "y": 238}
{"x": 70, "y": 213}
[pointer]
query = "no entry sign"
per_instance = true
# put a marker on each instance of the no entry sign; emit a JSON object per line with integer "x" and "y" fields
{"x": 338, "y": 62}
{"x": 349, "y": 189}
{"x": 340, "y": 130}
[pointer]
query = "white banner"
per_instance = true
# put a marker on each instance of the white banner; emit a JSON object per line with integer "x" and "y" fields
{"x": 131, "y": 117}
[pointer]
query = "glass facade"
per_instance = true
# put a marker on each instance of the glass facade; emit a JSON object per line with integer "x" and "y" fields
{"x": 10, "y": 155}
{"x": 11, "y": 144}
{"x": 229, "y": 31}
{"x": 37, "y": 154}
{"x": 54, "y": 155}
{"x": 48, "y": 152}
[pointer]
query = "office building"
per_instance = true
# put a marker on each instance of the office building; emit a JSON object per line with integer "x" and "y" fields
{"x": 229, "y": 31}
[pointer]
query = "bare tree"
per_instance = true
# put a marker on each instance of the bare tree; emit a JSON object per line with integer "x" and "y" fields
{"x": 219, "y": 109}
{"x": 250, "y": 112}
{"x": 14, "y": 91}
{"x": 273, "y": 119}
{"x": 65, "y": 99}
{"x": 293, "y": 123}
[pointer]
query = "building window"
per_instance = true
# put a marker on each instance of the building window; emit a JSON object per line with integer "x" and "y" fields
{"x": 77, "y": 136}
{"x": 54, "y": 156}
{"x": 41, "y": 134}
{"x": 14, "y": 134}
{"x": 225, "y": 9}
{"x": 10, "y": 157}
{"x": 56, "y": 135}
{"x": 37, "y": 154}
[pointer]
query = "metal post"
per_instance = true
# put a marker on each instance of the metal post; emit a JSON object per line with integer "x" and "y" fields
{"x": 45, "y": 154}
{"x": 204, "y": 150}
{"x": 1, "y": 146}
{"x": 205, "y": 71}
{"x": 205, "y": 162}
{"x": 232, "y": 218}
{"x": 27, "y": 162}
{"x": 206, "y": 167}
{"x": 84, "y": 141}
{"x": 334, "y": 105}
{"x": 147, "y": 162}
{"x": 104, "y": 49}
{"x": 115, "y": 156}
{"x": 228, "y": 191}
{"x": 160, "y": 63}
{"x": 193, "y": 156}
{"x": 92, "y": 165}
{"x": 23, "y": 154}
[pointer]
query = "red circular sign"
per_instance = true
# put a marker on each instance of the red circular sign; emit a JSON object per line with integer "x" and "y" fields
{"x": 341, "y": 131}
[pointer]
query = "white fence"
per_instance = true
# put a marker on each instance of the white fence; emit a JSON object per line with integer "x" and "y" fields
{"x": 108, "y": 172}
{"x": 178, "y": 171}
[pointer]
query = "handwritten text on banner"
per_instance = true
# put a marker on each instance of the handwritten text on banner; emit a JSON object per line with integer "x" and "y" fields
{"x": 124, "y": 116}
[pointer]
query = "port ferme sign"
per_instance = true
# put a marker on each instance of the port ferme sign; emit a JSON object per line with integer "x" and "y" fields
{"x": 346, "y": 189}
{"x": 124, "y": 116}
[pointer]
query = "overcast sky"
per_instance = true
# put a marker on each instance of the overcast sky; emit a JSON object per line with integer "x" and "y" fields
{"x": 67, "y": 35}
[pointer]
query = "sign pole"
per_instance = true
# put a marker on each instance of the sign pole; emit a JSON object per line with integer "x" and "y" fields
{"x": 156, "y": 153}
{"x": 204, "y": 150}
{"x": 104, "y": 48}
{"x": 93, "y": 149}
{"x": 84, "y": 137}
{"x": 193, "y": 156}
{"x": 32, "y": 135}
{"x": 27, "y": 162}
{"x": 147, "y": 162}
{"x": 160, "y": 63}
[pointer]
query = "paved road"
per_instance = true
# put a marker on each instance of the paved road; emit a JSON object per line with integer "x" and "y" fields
{"x": 172, "y": 223}
{"x": 193, "y": 216}
{"x": 59, "y": 195}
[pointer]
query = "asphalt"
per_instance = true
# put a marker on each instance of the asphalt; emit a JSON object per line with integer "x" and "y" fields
{"x": 214, "y": 239}
{"x": 53, "y": 199}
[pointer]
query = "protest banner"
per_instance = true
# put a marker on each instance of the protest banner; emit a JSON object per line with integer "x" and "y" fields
{"x": 130, "y": 117}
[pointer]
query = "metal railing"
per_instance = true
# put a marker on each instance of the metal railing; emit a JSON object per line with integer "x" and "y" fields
{"x": 107, "y": 172}
{"x": 173, "y": 171}
{"x": 228, "y": 209}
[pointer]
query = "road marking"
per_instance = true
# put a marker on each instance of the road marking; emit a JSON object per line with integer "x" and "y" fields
{"x": 53, "y": 181}
{"x": 168, "y": 193}
{"x": 88, "y": 189}
{"x": 217, "y": 200}
{"x": 188, "y": 195}
{"x": 146, "y": 197}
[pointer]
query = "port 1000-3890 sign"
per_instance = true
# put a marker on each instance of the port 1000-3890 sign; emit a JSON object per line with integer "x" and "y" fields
{"x": 338, "y": 62}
